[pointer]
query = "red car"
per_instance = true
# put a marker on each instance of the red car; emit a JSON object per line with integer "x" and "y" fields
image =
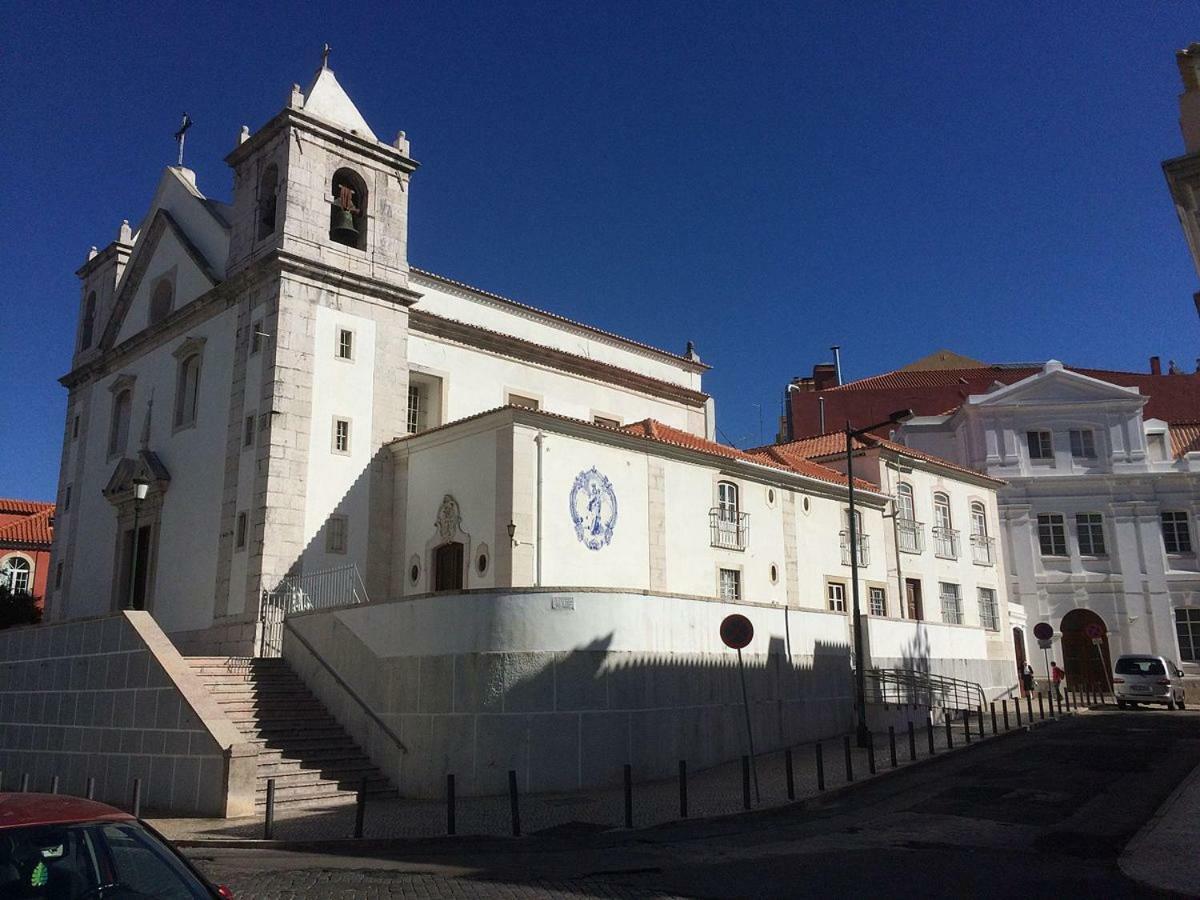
{"x": 64, "y": 848}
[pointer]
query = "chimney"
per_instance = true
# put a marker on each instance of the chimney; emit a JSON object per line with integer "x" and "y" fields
{"x": 824, "y": 376}
{"x": 1155, "y": 365}
{"x": 1189, "y": 101}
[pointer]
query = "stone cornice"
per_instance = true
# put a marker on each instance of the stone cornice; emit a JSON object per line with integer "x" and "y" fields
{"x": 301, "y": 121}
{"x": 116, "y": 248}
{"x": 527, "y": 351}
{"x": 343, "y": 279}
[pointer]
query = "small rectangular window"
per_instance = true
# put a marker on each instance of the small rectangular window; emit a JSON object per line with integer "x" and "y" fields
{"x": 1040, "y": 445}
{"x": 951, "y": 603}
{"x": 1157, "y": 445}
{"x": 58, "y": 575}
{"x": 1177, "y": 536}
{"x": 1052, "y": 534}
{"x": 1090, "y": 527}
{"x": 67, "y": 498}
{"x": 345, "y": 344}
{"x": 878, "y": 601}
{"x": 240, "y": 543}
{"x": 989, "y": 612}
{"x": 341, "y": 435}
{"x": 526, "y": 402}
{"x": 1187, "y": 627}
{"x": 731, "y": 584}
{"x": 248, "y": 431}
{"x": 335, "y": 534}
{"x": 1083, "y": 443}
{"x": 835, "y": 593}
{"x": 606, "y": 422}
{"x": 75, "y": 428}
{"x": 256, "y": 336}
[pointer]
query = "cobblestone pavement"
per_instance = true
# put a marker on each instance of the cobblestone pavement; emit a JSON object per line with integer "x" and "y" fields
{"x": 711, "y": 792}
{"x": 340, "y": 883}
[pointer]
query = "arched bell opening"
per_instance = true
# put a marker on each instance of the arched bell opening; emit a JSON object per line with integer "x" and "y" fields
{"x": 348, "y": 209}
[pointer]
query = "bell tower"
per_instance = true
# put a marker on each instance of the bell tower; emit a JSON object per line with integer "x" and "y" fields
{"x": 1183, "y": 172}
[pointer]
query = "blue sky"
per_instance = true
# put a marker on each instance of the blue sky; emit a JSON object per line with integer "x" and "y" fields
{"x": 764, "y": 179}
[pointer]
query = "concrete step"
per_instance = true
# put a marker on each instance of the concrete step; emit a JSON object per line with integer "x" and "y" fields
{"x": 285, "y": 734}
{"x": 349, "y": 772}
{"x": 325, "y": 788}
{"x": 238, "y": 708}
{"x": 328, "y": 794}
{"x": 255, "y": 689}
{"x": 346, "y": 759}
{"x": 284, "y": 720}
{"x": 319, "y": 751}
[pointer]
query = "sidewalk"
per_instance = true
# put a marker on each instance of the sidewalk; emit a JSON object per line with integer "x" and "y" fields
{"x": 1163, "y": 854}
{"x": 712, "y": 792}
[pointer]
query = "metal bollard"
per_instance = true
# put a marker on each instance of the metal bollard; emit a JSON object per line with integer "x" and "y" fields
{"x": 1029, "y": 706}
{"x": 135, "y": 805}
{"x": 1041, "y": 709}
{"x": 269, "y": 818}
{"x": 513, "y": 803}
{"x": 789, "y": 775}
{"x": 871, "y": 754}
{"x": 91, "y": 788}
{"x": 849, "y": 761}
{"x": 683, "y": 789}
{"x": 1017, "y": 707}
{"x": 929, "y": 734}
{"x": 628, "y": 778}
{"x": 746, "y": 782}
{"x": 451, "y": 823}
{"x": 892, "y": 744}
{"x": 949, "y": 731}
{"x": 360, "y": 813}
{"x": 994, "y": 730}
{"x": 54, "y": 784}
{"x": 820, "y": 767}
{"x": 1060, "y": 705}
{"x": 912, "y": 742}
{"x": 25, "y": 783}
{"x": 1004, "y": 709}
{"x": 981, "y": 723}
{"x": 967, "y": 724}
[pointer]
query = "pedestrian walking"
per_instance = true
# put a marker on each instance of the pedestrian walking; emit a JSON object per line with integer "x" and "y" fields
{"x": 1027, "y": 678}
{"x": 1057, "y": 675}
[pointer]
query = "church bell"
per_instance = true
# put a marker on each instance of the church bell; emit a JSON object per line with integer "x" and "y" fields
{"x": 342, "y": 228}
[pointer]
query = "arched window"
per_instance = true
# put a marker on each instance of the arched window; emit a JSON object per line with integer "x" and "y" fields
{"x": 268, "y": 190}
{"x": 187, "y": 390}
{"x": 941, "y": 511}
{"x": 858, "y": 521}
{"x": 905, "y": 508}
{"x": 160, "y": 300}
{"x": 118, "y": 429}
{"x": 348, "y": 209}
{"x": 17, "y": 574}
{"x": 945, "y": 538}
{"x": 978, "y": 520}
{"x": 89, "y": 321}
{"x": 727, "y": 501}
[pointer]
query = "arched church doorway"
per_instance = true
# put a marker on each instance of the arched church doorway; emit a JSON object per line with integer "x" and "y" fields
{"x": 1084, "y": 665}
{"x": 448, "y": 567}
{"x": 1019, "y": 651}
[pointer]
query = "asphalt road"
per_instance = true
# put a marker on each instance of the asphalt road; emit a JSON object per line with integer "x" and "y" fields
{"x": 1040, "y": 814}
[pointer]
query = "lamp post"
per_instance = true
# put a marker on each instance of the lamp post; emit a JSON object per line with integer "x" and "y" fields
{"x": 141, "y": 487}
{"x": 863, "y": 733}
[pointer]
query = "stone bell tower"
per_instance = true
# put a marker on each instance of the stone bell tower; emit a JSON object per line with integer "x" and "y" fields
{"x": 1183, "y": 172}
{"x": 318, "y": 250}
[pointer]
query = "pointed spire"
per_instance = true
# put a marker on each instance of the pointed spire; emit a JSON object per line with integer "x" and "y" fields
{"x": 326, "y": 99}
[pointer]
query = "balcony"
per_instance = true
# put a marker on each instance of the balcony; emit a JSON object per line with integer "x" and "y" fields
{"x": 910, "y": 536}
{"x": 864, "y": 548}
{"x": 983, "y": 550}
{"x": 728, "y": 529}
{"x": 945, "y": 542}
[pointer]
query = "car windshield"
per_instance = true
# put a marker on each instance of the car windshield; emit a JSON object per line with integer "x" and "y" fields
{"x": 1140, "y": 665}
{"x": 96, "y": 861}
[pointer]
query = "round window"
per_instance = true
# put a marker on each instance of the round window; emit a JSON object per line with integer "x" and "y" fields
{"x": 805, "y": 504}
{"x": 482, "y": 562}
{"x": 414, "y": 573}
{"x": 771, "y": 495}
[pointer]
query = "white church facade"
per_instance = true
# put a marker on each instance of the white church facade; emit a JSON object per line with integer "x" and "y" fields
{"x": 543, "y": 534}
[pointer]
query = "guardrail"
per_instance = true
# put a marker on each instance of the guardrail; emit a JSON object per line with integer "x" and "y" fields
{"x": 910, "y": 686}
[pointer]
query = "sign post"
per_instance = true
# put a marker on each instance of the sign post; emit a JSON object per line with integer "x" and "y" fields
{"x": 1044, "y": 632}
{"x": 737, "y": 631}
{"x": 1096, "y": 633}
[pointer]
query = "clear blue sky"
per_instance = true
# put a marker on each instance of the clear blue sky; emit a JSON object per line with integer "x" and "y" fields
{"x": 763, "y": 179}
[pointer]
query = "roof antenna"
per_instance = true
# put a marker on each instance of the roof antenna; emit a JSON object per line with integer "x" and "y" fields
{"x": 181, "y": 136}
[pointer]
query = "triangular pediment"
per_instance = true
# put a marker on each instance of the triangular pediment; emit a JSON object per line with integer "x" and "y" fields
{"x": 328, "y": 100}
{"x": 1056, "y": 385}
{"x": 145, "y": 466}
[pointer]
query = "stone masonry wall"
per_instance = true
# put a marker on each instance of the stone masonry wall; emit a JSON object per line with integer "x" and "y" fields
{"x": 110, "y": 698}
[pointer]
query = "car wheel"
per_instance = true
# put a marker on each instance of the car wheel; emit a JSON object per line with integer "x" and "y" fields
{"x": 1120, "y": 703}
{"x": 1171, "y": 704}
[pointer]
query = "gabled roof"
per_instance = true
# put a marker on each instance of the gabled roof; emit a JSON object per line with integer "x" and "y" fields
{"x": 23, "y": 507}
{"x": 326, "y": 99}
{"x": 33, "y": 531}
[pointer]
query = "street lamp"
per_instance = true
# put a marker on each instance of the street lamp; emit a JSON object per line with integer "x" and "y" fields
{"x": 141, "y": 487}
{"x": 860, "y": 673}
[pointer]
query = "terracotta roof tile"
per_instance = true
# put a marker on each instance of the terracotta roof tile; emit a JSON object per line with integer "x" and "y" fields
{"x": 23, "y": 507}
{"x": 35, "y": 530}
{"x": 1185, "y": 438}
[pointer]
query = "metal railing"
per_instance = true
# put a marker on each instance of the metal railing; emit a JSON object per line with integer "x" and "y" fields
{"x": 728, "y": 528}
{"x": 910, "y": 535}
{"x": 910, "y": 686}
{"x": 340, "y": 586}
{"x": 864, "y": 548}
{"x": 983, "y": 549}
{"x": 945, "y": 542}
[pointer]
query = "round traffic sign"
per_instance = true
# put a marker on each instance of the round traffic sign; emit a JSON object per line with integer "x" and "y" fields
{"x": 1094, "y": 631}
{"x": 1043, "y": 631}
{"x": 736, "y": 631}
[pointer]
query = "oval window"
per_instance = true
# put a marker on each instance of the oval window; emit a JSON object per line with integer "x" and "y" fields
{"x": 414, "y": 573}
{"x": 805, "y": 504}
{"x": 774, "y": 574}
{"x": 771, "y": 495}
{"x": 482, "y": 563}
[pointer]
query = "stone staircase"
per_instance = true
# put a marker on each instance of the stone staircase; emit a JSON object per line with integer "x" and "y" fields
{"x": 300, "y": 744}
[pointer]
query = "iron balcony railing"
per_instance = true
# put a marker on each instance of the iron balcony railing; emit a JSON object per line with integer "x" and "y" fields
{"x": 340, "y": 586}
{"x": 913, "y": 687}
{"x": 728, "y": 528}
{"x": 945, "y": 542}
{"x": 910, "y": 535}
{"x": 864, "y": 548}
{"x": 983, "y": 549}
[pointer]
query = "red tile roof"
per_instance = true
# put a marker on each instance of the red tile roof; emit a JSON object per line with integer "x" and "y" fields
{"x": 35, "y": 530}
{"x": 1185, "y": 438}
{"x": 23, "y": 507}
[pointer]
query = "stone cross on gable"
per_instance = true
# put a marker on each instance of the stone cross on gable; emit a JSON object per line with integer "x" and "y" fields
{"x": 325, "y": 56}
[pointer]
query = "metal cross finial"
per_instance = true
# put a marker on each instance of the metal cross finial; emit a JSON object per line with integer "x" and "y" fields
{"x": 325, "y": 56}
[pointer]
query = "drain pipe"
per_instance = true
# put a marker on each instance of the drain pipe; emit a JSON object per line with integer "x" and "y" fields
{"x": 538, "y": 439}
{"x": 821, "y": 411}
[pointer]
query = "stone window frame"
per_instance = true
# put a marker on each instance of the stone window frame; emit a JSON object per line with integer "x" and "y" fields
{"x": 957, "y": 596}
{"x": 120, "y": 386}
{"x": 844, "y": 599}
{"x": 882, "y": 588}
{"x": 989, "y": 611}
{"x": 248, "y": 431}
{"x": 539, "y": 399}
{"x": 334, "y": 437}
{"x": 739, "y": 583}
{"x": 364, "y": 205}
{"x": 1043, "y": 458}
{"x": 241, "y": 531}
{"x": 256, "y": 331}
{"x": 191, "y": 349}
{"x": 1180, "y": 525}
{"x": 261, "y": 232}
{"x": 352, "y": 344}
{"x": 66, "y": 504}
{"x": 343, "y": 530}
{"x": 1049, "y": 536}
{"x": 75, "y": 427}
{"x": 1089, "y": 528}
{"x": 605, "y": 419}
{"x": 28, "y": 560}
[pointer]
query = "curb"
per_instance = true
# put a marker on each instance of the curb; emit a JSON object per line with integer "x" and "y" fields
{"x": 459, "y": 842}
{"x": 1145, "y": 835}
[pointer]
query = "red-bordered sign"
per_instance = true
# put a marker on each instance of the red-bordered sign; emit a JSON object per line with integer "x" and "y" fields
{"x": 736, "y": 631}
